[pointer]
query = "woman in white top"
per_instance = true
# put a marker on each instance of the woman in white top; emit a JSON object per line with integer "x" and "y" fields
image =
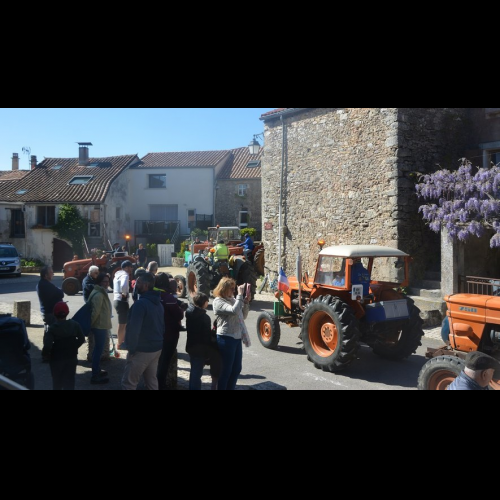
{"x": 231, "y": 331}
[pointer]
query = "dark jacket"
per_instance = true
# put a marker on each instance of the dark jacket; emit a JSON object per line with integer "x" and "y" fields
{"x": 87, "y": 285}
{"x": 199, "y": 327}
{"x": 465, "y": 383}
{"x": 48, "y": 295}
{"x": 146, "y": 324}
{"x": 173, "y": 315}
{"x": 142, "y": 254}
{"x": 62, "y": 340}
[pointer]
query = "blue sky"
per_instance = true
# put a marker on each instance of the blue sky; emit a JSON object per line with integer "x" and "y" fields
{"x": 54, "y": 132}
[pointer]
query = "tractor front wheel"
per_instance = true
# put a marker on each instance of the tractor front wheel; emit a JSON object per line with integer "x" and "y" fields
{"x": 438, "y": 373}
{"x": 181, "y": 286}
{"x": 330, "y": 334}
{"x": 268, "y": 330}
{"x": 71, "y": 286}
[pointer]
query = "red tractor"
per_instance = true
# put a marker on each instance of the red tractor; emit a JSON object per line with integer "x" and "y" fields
{"x": 76, "y": 270}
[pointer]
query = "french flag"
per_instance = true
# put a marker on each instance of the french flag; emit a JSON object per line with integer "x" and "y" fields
{"x": 283, "y": 284}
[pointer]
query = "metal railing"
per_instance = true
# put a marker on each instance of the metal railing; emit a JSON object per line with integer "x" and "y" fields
{"x": 479, "y": 286}
{"x": 159, "y": 230}
{"x": 10, "y": 385}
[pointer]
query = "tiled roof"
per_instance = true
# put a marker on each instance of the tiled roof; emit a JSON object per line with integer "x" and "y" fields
{"x": 237, "y": 166}
{"x": 12, "y": 175}
{"x": 47, "y": 185}
{"x": 187, "y": 159}
{"x": 274, "y": 111}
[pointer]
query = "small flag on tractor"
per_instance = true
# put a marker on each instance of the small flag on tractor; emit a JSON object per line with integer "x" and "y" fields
{"x": 283, "y": 284}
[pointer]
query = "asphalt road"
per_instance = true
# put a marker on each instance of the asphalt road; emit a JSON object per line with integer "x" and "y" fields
{"x": 285, "y": 368}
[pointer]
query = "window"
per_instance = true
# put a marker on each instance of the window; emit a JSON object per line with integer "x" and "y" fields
{"x": 118, "y": 213}
{"x": 80, "y": 180}
{"x": 158, "y": 181}
{"x": 242, "y": 189}
{"x": 92, "y": 165}
{"x": 56, "y": 167}
{"x": 253, "y": 164}
{"x": 495, "y": 158}
{"x": 22, "y": 191}
{"x": 46, "y": 216}
{"x": 164, "y": 212}
{"x": 191, "y": 219}
{"x": 17, "y": 224}
{"x": 244, "y": 219}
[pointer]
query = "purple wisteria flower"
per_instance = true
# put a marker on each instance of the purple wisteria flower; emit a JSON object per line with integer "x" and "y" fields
{"x": 468, "y": 201}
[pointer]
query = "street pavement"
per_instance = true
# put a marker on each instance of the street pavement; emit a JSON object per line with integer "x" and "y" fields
{"x": 286, "y": 368}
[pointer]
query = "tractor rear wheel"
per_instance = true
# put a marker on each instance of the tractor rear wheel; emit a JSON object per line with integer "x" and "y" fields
{"x": 71, "y": 286}
{"x": 181, "y": 286}
{"x": 438, "y": 373}
{"x": 197, "y": 279}
{"x": 259, "y": 261}
{"x": 401, "y": 344}
{"x": 268, "y": 330}
{"x": 330, "y": 334}
{"x": 247, "y": 274}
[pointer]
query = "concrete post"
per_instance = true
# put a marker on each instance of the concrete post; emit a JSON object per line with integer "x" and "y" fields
{"x": 452, "y": 264}
{"x": 22, "y": 310}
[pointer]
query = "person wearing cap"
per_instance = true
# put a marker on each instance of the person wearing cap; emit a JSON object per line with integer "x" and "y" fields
{"x": 121, "y": 290}
{"x": 479, "y": 371}
{"x": 60, "y": 346}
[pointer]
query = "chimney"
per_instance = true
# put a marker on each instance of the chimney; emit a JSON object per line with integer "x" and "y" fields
{"x": 15, "y": 161}
{"x": 83, "y": 154}
{"x": 33, "y": 162}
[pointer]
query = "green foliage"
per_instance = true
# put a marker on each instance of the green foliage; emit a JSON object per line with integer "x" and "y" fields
{"x": 29, "y": 262}
{"x": 203, "y": 235}
{"x": 71, "y": 226}
{"x": 184, "y": 247}
{"x": 249, "y": 230}
{"x": 151, "y": 249}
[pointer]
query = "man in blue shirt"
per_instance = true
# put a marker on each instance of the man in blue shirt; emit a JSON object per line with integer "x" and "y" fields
{"x": 248, "y": 245}
{"x": 479, "y": 371}
{"x": 360, "y": 276}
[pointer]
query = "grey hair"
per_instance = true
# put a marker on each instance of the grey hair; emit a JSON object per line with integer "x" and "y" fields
{"x": 93, "y": 269}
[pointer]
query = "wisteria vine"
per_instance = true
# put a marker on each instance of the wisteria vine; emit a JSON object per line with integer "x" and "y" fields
{"x": 468, "y": 201}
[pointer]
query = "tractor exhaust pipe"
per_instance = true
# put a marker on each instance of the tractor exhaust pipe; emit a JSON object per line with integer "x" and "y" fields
{"x": 299, "y": 278}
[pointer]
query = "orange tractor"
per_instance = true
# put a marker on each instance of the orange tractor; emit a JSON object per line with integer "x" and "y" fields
{"x": 472, "y": 324}
{"x": 355, "y": 297}
{"x": 203, "y": 274}
{"x": 76, "y": 270}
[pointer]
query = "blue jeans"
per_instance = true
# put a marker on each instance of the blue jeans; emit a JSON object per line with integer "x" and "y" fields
{"x": 231, "y": 352}
{"x": 197, "y": 365}
{"x": 100, "y": 337}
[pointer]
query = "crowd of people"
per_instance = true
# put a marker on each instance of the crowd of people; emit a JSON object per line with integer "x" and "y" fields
{"x": 150, "y": 321}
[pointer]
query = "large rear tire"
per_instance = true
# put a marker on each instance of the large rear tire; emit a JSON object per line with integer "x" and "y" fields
{"x": 268, "y": 330}
{"x": 247, "y": 274}
{"x": 330, "y": 334}
{"x": 197, "y": 279}
{"x": 438, "y": 373}
{"x": 71, "y": 286}
{"x": 181, "y": 286}
{"x": 401, "y": 344}
{"x": 259, "y": 262}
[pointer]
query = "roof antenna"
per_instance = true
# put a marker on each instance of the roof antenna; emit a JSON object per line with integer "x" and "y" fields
{"x": 28, "y": 152}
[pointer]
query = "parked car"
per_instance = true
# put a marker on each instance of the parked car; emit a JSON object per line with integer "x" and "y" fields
{"x": 10, "y": 260}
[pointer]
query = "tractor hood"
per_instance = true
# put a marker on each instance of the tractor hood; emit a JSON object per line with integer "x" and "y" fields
{"x": 473, "y": 301}
{"x": 76, "y": 263}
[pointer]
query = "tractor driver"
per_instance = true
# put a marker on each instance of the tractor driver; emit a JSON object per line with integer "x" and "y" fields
{"x": 221, "y": 253}
{"x": 360, "y": 276}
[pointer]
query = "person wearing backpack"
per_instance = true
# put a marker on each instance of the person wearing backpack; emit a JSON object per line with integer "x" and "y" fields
{"x": 60, "y": 346}
{"x": 101, "y": 325}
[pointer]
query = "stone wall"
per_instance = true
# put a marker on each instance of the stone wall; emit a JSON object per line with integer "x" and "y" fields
{"x": 340, "y": 181}
{"x": 228, "y": 203}
{"x": 349, "y": 178}
{"x": 428, "y": 139}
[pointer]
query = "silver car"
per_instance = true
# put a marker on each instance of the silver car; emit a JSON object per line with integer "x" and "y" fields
{"x": 10, "y": 260}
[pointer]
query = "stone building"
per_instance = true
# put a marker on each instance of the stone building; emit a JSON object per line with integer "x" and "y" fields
{"x": 239, "y": 191}
{"x": 349, "y": 177}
